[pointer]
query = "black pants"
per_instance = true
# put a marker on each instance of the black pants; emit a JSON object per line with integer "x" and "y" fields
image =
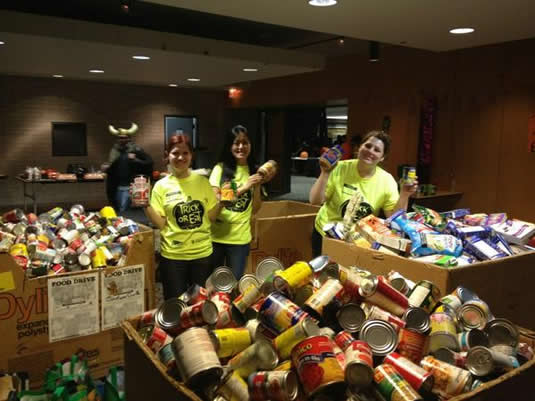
{"x": 178, "y": 275}
{"x": 317, "y": 242}
{"x": 233, "y": 256}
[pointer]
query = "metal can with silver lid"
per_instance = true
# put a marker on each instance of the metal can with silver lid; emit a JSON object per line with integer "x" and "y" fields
{"x": 167, "y": 316}
{"x": 472, "y": 338}
{"x": 266, "y": 267}
{"x": 400, "y": 282}
{"x": 417, "y": 319}
{"x": 229, "y": 342}
{"x": 204, "y": 312}
{"x": 502, "y": 331}
{"x": 450, "y": 380}
{"x": 350, "y": 317}
{"x": 453, "y": 358}
{"x": 381, "y": 336}
{"x": 424, "y": 295}
{"x": 464, "y": 294}
{"x": 285, "y": 341}
{"x": 246, "y": 280}
{"x": 195, "y": 293}
{"x": 392, "y": 386}
{"x": 295, "y": 276}
{"x": 316, "y": 303}
{"x": 375, "y": 312}
{"x": 221, "y": 279}
{"x": 196, "y": 358}
{"x": 279, "y": 385}
{"x": 359, "y": 364}
{"x": 260, "y": 355}
{"x": 473, "y": 314}
{"x": 481, "y": 361}
{"x": 419, "y": 378}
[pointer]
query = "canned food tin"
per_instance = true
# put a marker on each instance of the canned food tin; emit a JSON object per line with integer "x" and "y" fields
{"x": 350, "y": 317}
{"x": 322, "y": 297}
{"x": 258, "y": 356}
{"x": 472, "y": 338}
{"x": 424, "y": 295}
{"x": 233, "y": 388}
{"x": 400, "y": 282}
{"x": 194, "y": 294}
{"x": 441, "y": 339}
{"x": 417, "y": 319}
{"x": 247, "y": 298}
{"x": 359, "y": 364}
{"x": 392, "y": 386}
{"x": 381, "y": 336}
{"x": 409, "y": 175}
{"x": 276, "y": 385}
{"x": 157, "y": 339}
{"x": 98, "y": 259}
{"x": 317, "y": 366}
{"x": 501, "y": 331}
{"x": 197, "y": 360}
{"x": 268, "y": 169}
{"x": 452, "y": 301}
{"x": 372, "y": 285}
{"x": 229, "y": 342}
{"x": 246, "y": 280}
{"x": 374, "y": 312}
{"x": 419, "y": 378}
{"x": 84, "y": 260}
{"x": 449, "y": 380}
{"x": 331, "y": 156}
{"x": 297, "y": 275}
{"x": 385, "y": 303}
{"x": 442, "y": 322}
{"x": 19, "y": 252}
{"x": 473, "y": 314}
{"x": 481, "y": 361}
{"x": 464, "y": 294}
{"x": 343, "y": 339}
{"x": 285, "y": 341}
{"x": 167, "y": 357}
{"x": 204, "y": 312}
{"x": 279, "y": 313}
{"x": 107, "y": 212}
{"x": 266, "y": 267}
{"x": 411, "y": 344}
{"x": 220, "y": 299}
{"x": 147, "y": 318}
{"x": 140, "y": 190}
{"x": 222, "y": 279}
{"x": 167, "y": 316}
{"x": 258, "y": 331}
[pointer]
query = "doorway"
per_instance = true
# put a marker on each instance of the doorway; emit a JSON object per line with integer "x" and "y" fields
{"x": 174, "y": 125}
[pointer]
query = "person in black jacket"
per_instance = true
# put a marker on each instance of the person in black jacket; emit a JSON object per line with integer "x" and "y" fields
{"x": 126, "y": 160}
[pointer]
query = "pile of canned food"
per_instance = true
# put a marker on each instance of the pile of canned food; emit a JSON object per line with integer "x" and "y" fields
{"x": 62, "y": 240}
{"x": 322, "y": 331}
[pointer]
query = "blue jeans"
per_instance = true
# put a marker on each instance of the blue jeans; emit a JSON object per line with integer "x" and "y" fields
{"x": 233, "y": 256}
{"x": 122, "y": 197}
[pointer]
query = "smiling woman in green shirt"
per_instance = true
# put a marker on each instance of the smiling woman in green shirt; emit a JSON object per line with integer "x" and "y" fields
{"x": 336, "y": 186}
{"x": 183, "y": 206}
{"x": 231, "y": 231}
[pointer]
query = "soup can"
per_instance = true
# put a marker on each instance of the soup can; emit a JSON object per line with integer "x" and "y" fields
{"x": 231, "y": 341}
{"x": 359, "y": 364}
{"x": 419, "y": 378}
{"x": 260, "y": 355}
{"x": 392, "y": 386}
{"x": 278, "y": 385}
{"x": 450, "y": 380}
{"x": 317, "y": 367}
{"x": 196, "y": 358}
{"x": 285, "y": 341}
{"x": 279, "y": 313}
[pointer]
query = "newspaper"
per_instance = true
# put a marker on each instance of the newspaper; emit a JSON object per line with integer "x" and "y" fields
{"x": 73, "y": 306}
{"x": 122, "y": 293}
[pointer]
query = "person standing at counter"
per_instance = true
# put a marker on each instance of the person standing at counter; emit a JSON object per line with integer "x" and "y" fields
{"x": 182, "y": 206}
{"x": 231, "y": 231}
{"x": 337, "y": 184}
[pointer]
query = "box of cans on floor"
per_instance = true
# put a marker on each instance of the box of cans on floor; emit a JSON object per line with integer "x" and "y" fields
{"x": 320, "y": 331}
{"x": 282, "y": 229}
{"x": 66, "y": 278}
{"x": 506, "y": 284}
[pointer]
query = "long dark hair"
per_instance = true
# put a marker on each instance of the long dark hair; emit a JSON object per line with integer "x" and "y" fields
{"x": 227, "y": 159}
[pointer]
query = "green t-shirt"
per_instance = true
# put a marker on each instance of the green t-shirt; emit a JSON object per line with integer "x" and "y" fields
{"x": 233, "y": 225}
{"x": 379, "y": 191}
{"x": 185, "y": 203}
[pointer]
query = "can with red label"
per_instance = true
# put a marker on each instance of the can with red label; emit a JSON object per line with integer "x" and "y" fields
{"x": 285, "y": 341}
{"x": 375, "y": 312}
{"x": 359, "y": 364}
{"x": 277, "y": 385}
{"x": 419, "y": 378}
{"x": 194, "y": 294}
{"x": 317, "y": 367}
{"x": 449, "y": 379}
{"x": 411, "y": 344}
{"x": 204, "y": 312}
{"x": 140, "y": 191}
{"x": 392, "y": 385}
{"x": 157, "y": 339}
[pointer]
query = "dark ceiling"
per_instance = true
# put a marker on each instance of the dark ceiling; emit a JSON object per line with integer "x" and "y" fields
{"x": 175, "y": 20}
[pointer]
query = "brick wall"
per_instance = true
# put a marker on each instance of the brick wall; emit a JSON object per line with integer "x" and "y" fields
{"x": 29, "y": 105}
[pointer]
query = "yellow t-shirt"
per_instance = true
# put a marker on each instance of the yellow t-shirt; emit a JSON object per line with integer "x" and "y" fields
{"x": 379, "y": 191}
{"x": 233, "y": 225}
{"x": 185, "y": 203}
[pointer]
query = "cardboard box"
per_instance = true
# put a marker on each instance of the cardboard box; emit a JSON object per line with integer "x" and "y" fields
{"x": 282, "y": 229}
{"x": 505, "y": 284}
{"x": 140, "y": 362}
{"x": 24, "y": 319}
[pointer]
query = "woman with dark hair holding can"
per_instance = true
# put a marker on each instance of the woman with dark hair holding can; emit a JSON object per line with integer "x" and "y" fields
{"x": 231, "y": 231}
{"x": 182, "y": 206}
{"x": 340, "y": 181}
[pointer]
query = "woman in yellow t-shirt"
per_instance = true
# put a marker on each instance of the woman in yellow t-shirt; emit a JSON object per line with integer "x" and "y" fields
{"x": 231, "y": 232}
{"x": 337, "y": 184}
{"x": 183, "y": 206}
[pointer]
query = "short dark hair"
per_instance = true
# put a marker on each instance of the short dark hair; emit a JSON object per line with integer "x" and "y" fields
{"x": 381, "y": 135}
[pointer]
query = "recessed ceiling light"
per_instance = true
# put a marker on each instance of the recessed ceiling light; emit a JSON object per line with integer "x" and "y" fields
{"x": 322, "y": 3}
{"x": 341, "y": 117}
{"x": 250, "y": 69}
{"x": 194, "y": 79}
{"x": 96, "y": 71}
{"x": 2, "y": 43}
{"x": 141, "y": 57}
{"x": 173, "y": 85}
{"x": 461, "y": 31}
{"x": 57, "y": 76}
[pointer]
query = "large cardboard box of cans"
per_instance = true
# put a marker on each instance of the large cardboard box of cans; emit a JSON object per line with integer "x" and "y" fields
{"x": 506, "y": 284}
{"x": 141, "y": 362}
{"x": 282, "y": 229}
{"x": 24, "y": 314}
